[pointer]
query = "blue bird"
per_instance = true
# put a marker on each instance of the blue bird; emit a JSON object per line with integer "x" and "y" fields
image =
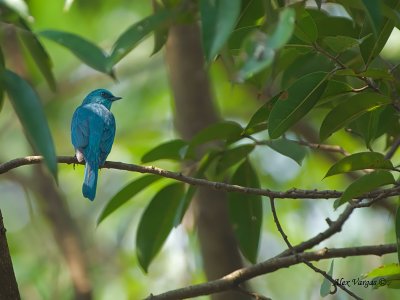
{"x": 92, "y": 134}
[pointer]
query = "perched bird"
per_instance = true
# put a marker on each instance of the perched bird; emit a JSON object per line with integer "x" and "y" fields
{"x": 92, "y": 134}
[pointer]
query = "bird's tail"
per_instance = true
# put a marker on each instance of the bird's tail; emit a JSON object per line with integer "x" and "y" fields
{"x": 90, "y": 181}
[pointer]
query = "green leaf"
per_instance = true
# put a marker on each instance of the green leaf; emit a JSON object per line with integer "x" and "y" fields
{"x": 203, "y": 165}
{"x": 218, "y": 19}
{"x": 373, "y": 10}
{"x": 259, "y": 48}
{"x": 258, "y": 121}
{"x": 336, "y": 26}
{"x": 325, "y": 289}
{"x": 250, "y": 14}
{"x": 367, "y": 126}
{"x": 160, "y": 33}
{"x": 30, "y": 112}
{"x": 86, "y": 51}
{"x": 373, "y": 45}
{"x": 284, "y": 29}
{"x": 128, "y": 40}
{"x": 365, "y": 184}
{"x": 125, "y": 194}
{"x": 360, "y": 161}
{"x": 255, "y": 55}
{"x": 333, "y": 89}
{"x": 232, "y": 156}
{"x": 388, "y": 275}
{"x": 306, "y": 29}
{"x": 225, "y": 130}
{"x": 302, "y": 95}
{"x": 157, "y": 222}
{"x": 350, "y": 110}
{"x": 245, "y": 212}
{"x": 387, "y": 270}
{"x": 184, "y": 203}
{"x": 340, "y": 43}
{"x": 397, "y": 228}
{"x": 2, "y": 84}
{"x": 169, "y": 150}
{"x": 289, "y": 149}
{"x": 38, "y": 53}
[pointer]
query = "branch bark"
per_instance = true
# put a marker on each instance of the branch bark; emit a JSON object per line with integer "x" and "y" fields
{"x": 8, "y": 283}
{"x": 214, "y": 185}
{"x": 232, "y": 280}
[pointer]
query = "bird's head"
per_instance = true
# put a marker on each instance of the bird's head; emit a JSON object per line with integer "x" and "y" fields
{"x": 101, "y": 96}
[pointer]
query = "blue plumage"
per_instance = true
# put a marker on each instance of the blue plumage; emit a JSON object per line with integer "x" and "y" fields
{"x": 92, "y": 134}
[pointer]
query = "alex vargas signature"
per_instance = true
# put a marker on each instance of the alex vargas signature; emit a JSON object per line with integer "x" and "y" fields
{"x": 361, "y": 282}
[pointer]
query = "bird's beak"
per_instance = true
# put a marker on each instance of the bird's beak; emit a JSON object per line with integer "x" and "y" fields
{"x": 116, "y": 98}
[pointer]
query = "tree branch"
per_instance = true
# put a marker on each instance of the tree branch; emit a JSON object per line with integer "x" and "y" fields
{"x": 307, "y": 263}
{"x": 232, "y": 280}
{"x": 289, "y": 194}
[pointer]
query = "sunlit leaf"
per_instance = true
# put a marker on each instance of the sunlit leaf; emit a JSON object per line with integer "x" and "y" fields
{"x": 245, "y": 212}
{"x": 131, "y": 37}
{"x": 289, "y": 149}
{"x": 169, "y": 150}
{"x": 350, "y": 110}
{"x": 364, "y": 184}
{"x": 126, "y": 194}
{"x": 387, "y": 275}
{"x": 300, "y": 98}
{"x": 360, "y": 161}
{"x": 161, "y": 32}
{"x": 30, "y": 112}
{"x": 86, "y": 51}
{"x": 218, "y": 19}
{"x": 325, "y": 289}
{"x": 157, "y": 222}
{"x": 232, "y": 156}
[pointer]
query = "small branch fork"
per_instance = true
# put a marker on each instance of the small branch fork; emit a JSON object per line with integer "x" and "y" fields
{"x": 310, "y": 265}
{"x": 291, "y": 256}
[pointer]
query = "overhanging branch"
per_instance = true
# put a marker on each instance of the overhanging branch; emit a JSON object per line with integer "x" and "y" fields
{"x": 290, "y": 194}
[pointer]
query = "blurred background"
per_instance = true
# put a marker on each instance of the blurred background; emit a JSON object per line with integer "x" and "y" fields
{"x": 56, "y": 245}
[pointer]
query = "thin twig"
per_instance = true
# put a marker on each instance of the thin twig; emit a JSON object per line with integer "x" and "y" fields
{"x": 310, "y": 265}
{"x": 341, "y": 65}
{"x": 324, "y": 147}
{"x": 334, "y": 227}
{"x": 289, "y": 194}
{"x": 393, "y": 148}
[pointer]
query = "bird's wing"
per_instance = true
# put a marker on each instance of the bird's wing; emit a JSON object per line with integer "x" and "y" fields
{"x": 80, "y": 129}
{"x": 107, "y": 138}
